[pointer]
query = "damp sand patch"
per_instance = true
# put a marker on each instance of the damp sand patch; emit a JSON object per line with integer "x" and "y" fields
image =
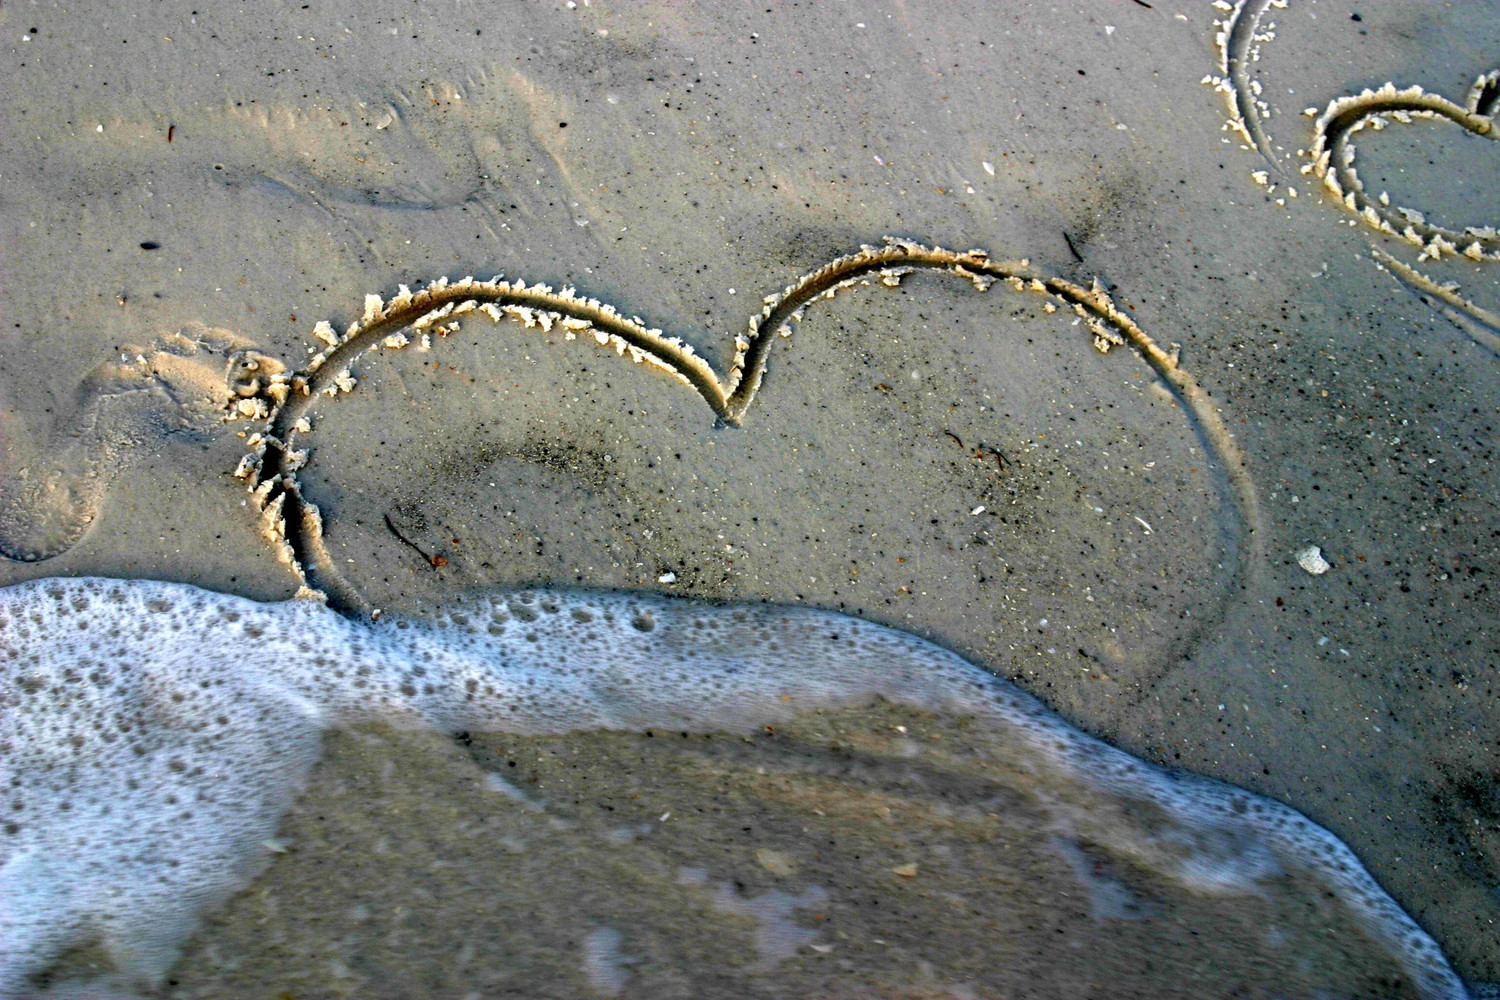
{"x": 876, "y": 843}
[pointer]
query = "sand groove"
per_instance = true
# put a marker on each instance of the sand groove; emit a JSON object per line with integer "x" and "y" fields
{"x": 1475, "y": 320}
{"x": 293, "y": 524}
{"x": 1333, "y": 159}
{"x": 1238, "y": 40}
{"x": 1333, "y": 155}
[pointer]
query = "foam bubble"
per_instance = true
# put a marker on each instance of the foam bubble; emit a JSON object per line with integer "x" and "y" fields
{"x": 152, "y": 734}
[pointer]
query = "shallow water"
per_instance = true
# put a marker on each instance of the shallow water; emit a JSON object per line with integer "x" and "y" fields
{"x": 184, "y": 188}
{"x": 156, "y": 734}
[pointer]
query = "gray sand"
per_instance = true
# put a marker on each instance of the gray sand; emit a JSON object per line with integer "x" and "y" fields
{"x": 681, "y": 163}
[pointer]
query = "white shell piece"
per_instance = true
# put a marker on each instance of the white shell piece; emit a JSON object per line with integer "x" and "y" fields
{"x": 1311, "y": 559}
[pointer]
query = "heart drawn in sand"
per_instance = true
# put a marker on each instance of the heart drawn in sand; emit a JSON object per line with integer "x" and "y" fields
{"x": 1238, "y": 40}
{"x": 283, "y": 401}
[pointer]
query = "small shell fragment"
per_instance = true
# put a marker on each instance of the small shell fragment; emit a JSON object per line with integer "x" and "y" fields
{"x": 1311, "y": 559}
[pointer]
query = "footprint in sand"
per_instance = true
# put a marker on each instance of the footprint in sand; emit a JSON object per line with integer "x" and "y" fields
{"x": 176, "y": 390}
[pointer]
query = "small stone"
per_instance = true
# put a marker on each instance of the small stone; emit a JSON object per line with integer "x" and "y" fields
{"x": 1311, "y": 559}
{"x": 908, "y": 870}
{"x": 775, "y": 862}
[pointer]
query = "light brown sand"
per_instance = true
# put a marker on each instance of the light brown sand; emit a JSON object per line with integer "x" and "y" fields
{"x": 711, "y": 155}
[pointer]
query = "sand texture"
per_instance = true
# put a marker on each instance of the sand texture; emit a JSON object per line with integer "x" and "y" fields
{"x": 1212, "y": 295}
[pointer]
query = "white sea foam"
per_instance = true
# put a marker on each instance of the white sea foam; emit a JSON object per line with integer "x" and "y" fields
{"x": 152, "y": 734}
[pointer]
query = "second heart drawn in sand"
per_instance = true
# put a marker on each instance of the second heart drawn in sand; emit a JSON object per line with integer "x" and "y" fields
{"x": 1331, "y": 158}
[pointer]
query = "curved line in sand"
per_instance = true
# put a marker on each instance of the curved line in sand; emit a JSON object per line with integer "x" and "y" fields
{"x": 1475, "y": 320}
{"x": 1333, "y": 160}
{"x": 293, "y": 524}
{"x": 1332, "y": 155}
{"x": 1237, "y": 41}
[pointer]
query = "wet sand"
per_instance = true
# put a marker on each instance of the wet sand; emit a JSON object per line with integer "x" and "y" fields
{"x": 967, "y": 467}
